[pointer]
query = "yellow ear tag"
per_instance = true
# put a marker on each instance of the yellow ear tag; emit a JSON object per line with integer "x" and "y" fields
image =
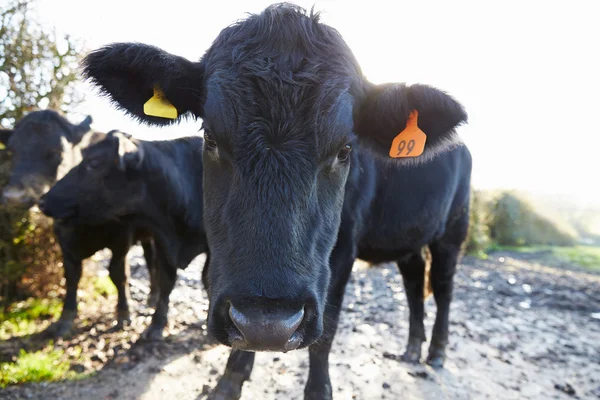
{"x": 411, "y": 141}
{"x": 159, "y": 106}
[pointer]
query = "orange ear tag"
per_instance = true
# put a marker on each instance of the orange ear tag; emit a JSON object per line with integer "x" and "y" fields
{"x": 411, "y": 141}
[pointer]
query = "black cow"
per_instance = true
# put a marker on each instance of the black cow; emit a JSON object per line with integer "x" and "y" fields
{"x": 45, "y": 146}
{"x": 288, "y": 205}
{"x": 153, "y": 185}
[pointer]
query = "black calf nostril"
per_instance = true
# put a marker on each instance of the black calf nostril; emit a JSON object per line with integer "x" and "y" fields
{"x": 267, "y": 330}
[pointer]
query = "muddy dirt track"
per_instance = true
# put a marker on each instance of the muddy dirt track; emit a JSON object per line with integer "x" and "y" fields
{"x": 519, "y": 330}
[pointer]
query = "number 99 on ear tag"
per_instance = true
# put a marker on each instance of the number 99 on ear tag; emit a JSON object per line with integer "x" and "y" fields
{"x": 411, "y": 141}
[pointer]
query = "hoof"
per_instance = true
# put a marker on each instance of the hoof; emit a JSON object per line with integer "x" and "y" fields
{"x": 61, "y": 328}
{"x": 436, "y": 361}
{"x": 123, "y": 319}
{"x": 226, "y": 389}
{"x": 152, "y": 334}
{"x": 436, "y": 357}
{"x": 152, "y": 300}
{"x": 412, "y": 354}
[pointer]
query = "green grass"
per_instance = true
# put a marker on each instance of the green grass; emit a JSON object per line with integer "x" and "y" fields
{"x": 480, "y": 254}
{"x": 584, "y": 256}
{"x": 46, "y": 365}
{"x": 104, "y": 286}
{"x": 520, "y": 249}
{"x": 23, "y": 317}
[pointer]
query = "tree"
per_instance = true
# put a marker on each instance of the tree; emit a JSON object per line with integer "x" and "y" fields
{"x": 38, "y": 69}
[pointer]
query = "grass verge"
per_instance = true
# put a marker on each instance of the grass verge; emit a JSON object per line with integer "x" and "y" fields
{"x": 24, "y": 317}
{"x": 583, "y": 256}
{"x": 46, "y": 365}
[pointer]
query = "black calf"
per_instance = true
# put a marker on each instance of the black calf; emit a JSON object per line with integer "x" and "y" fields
{"x": 152, "y": 186}
{"x": 307, "y": 166}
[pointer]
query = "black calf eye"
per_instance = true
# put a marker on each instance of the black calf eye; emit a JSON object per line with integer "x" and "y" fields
{"x": 344, "y": 153}
{"x": 209, "y": 142}
{"x": 92, "y": 164}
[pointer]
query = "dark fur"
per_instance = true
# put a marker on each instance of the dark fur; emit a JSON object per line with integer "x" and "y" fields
{"x": 286, "y": 211}
{"x": 153, "y": 185}
{"x": 45, "y": 146}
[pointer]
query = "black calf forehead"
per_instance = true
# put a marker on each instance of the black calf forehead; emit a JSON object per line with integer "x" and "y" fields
{"x": 239, "y": 109}
{"x": 106, "y": 148}
{"x": 47, "y": 125}
{"x": 281, "y": 72}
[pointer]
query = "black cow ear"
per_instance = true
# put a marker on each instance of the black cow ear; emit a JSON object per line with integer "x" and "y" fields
{"x": 85, "y": 125}
{"x": 5, "y": 135}
{"x": 403, "y": 122}
{"x": 81, "y": 129}
{"x": 156, "y": 87}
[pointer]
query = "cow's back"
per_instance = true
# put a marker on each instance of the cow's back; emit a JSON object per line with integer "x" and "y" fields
{"x": 411, "y": 205}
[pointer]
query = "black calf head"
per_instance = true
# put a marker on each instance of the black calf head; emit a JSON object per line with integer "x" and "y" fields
{"x": 283, "y": 102}
{"x": 105, "y": 186}
{"x": 44, "y": 148}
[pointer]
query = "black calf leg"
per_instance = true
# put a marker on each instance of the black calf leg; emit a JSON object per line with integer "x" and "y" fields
{"x": 318, "y": 385}
{"x": 238, "y": 369}
{"x": 151, "y": 263}
{"x": 119, "y": 274}
{"x": 205, "y": 282}
{"x": 168, "y": 276}
{"x": 72, "y": 266}
{"x": 443, "y": 267}
{"x": 413, "y": 275}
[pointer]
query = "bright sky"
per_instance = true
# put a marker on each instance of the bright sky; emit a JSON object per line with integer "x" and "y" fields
{"x": 528, "y": 72}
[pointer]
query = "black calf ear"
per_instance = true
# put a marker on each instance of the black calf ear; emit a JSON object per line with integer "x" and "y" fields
{"x": 81, "y": 129}
{"x": 86, "y": 123}
{"x": 156, "y": 87}
{"x": 408, "y": 122}
{"x": 5, "y": 135}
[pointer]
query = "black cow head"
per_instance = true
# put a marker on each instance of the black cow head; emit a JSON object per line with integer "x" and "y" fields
{"x": 105, "y": 186}
{"x": 44, "y": 146}
{"x": 283, "y": 103}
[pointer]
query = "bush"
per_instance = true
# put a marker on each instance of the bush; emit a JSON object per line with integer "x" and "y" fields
{"x": 510, "y": 218}
{"x": 587, "y": 224}
{"x": 478, "y": 239}
{"x": 30, "y": 258}
{"x": 517, "y": 221}
{"x": 38, "y": 68}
